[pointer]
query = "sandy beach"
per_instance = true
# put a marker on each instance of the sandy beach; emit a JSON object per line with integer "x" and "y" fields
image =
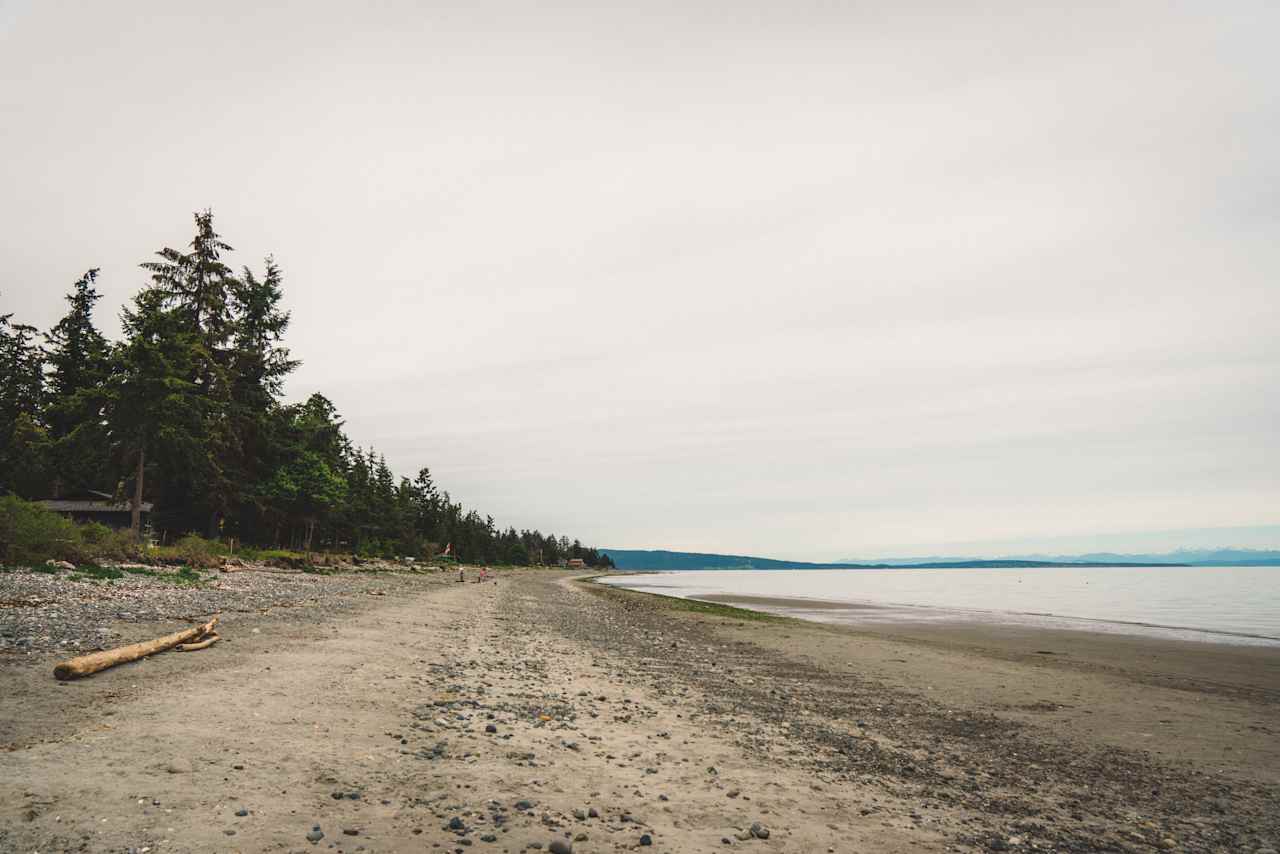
{"x": 542, "y": 709}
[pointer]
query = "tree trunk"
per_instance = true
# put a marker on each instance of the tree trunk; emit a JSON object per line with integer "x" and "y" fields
{"x": 311, "y": 530}
{"x": 135, "y": 510}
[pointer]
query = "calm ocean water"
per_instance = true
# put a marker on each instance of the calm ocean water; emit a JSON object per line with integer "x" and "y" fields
{"x": 1225, "y": 604}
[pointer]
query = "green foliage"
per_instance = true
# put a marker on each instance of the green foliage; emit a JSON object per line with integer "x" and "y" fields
{"x": 22, "y": 395}
{"x": 79, "y": 364}
{"x": 184, "y": 576}
{"x": 187, "y": 407}
{"x": 110, "y": 543}
{"x": 29, "y": 534}
{"x": 96, "y": 573}
{"x": 197, "y": 551}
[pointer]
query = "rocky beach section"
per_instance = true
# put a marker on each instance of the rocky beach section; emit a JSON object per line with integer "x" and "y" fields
{"x": 542, "y": 713}
{"x": 59, "y": 607}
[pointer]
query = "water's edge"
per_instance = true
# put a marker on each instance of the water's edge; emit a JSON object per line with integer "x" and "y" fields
{"x": 845, "y": 610}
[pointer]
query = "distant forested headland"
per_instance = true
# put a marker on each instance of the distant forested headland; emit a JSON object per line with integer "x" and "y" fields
{"x": 641, "y": 559}
{"x": 185, "y": 415}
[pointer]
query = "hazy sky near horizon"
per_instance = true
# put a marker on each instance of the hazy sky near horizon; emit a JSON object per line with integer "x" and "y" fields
{"x": 808, "y": 280}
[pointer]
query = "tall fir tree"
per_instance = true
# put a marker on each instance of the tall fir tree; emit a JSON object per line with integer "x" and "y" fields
{"x": 258, "y": 366}
{"x": 154, "y": 411}
{"x": 24, "y": 440}
{"x": 79, "y": 363}
{"x": 198, "y": 288}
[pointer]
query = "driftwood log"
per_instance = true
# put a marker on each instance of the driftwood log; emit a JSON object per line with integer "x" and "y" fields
{"x": 83, "y": 665}
{"x": 206, "y": 641}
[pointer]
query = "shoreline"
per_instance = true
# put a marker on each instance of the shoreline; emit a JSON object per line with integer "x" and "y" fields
{"x": 865, "y": 613}
{"x": 798, "y": 605}
{"x": 503, "y": 717}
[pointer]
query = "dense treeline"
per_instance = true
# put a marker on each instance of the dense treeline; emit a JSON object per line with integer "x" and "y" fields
{"x": 186, "y": 412}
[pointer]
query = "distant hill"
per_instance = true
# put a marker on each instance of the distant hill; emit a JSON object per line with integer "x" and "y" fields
{"x": 659, "y": 559}
{"x": 1181, "y": 557}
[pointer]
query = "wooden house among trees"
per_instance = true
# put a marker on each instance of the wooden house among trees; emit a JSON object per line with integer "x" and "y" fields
{"x": 92, "y": 506}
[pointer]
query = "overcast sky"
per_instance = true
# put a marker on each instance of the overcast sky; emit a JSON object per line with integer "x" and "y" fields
{"x": 807, "y": 280}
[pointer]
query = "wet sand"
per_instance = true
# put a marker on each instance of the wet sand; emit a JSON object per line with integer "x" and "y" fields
{"x": 1215, "y": 703}
{"x": 1248, "y": 669}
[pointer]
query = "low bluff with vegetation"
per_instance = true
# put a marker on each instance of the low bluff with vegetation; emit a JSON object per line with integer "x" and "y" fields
{"x": 185, "y": 413}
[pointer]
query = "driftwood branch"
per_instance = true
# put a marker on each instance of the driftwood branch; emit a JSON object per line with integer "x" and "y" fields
{"x": 206, "y": 641}
{"x": 84, "y": 665}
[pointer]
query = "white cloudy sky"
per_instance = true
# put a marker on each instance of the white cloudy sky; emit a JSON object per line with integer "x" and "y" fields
{"x": 798, "y": 279}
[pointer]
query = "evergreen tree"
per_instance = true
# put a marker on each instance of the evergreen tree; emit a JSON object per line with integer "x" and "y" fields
{"x": 258, "y": 365}
{"x": 153, "y": 409}
{"x": 78, "y": 358}
{"x": 309, "y": 489}
{"x": 259, "y": 360}
{"x": 23, "y": 438}
{"x": 199, "y": 286}
{"x": 187, "y": 411}
{"x": 198, "y": 289}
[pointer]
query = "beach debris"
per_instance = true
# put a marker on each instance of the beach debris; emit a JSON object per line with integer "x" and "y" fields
{"x": 207, "y": 641}
{"x": 85, "y": 665}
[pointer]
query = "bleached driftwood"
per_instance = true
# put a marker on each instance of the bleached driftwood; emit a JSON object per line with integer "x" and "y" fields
{"x": 201, "y": 643}
{"x": 84, "y": 665}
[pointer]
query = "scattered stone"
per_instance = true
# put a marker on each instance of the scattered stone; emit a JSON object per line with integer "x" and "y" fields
{"x": 646, "y": 839}
{"x": 315, "y": 836}
{"x": 350, "y": 831}
{"x": 242, "y": 812}
{"x": 759, "y": 831}
{"x": 559, "y": 846}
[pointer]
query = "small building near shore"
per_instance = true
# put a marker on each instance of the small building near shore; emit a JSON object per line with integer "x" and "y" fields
{"x": 575, "y": 563}
{"x": 92, "y": 506}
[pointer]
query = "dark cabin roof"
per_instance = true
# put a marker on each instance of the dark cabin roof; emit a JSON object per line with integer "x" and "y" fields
{"x": 103, "y": 504}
